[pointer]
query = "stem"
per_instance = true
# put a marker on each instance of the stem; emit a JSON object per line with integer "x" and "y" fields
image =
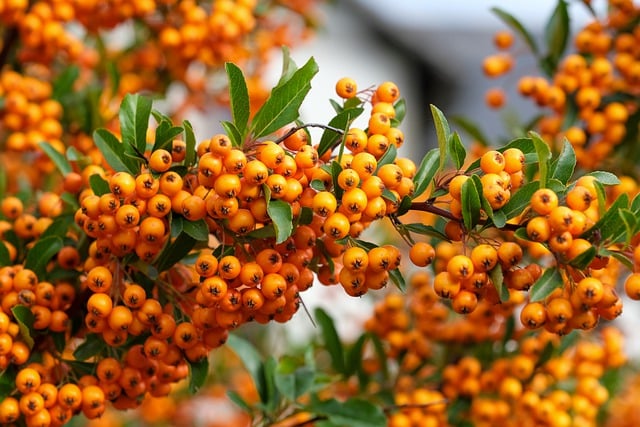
{"x": 428, "y": 206}
{"x": 10, "y": 37}
{"x": 415, "y": 405}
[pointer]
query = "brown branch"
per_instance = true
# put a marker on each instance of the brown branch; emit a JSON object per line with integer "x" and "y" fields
{"x": 10, "y": 38}
{"x": 392, "y": 408}
{"x": 428, "y": 206}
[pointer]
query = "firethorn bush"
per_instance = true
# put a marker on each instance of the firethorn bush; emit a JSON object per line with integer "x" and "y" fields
{"x": 140, "y": 263}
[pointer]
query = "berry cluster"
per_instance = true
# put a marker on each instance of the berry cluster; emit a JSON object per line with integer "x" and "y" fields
{"x": 118, "y": 299}
{"x": 585, "y": 94}
{"x": 529, "y": 384}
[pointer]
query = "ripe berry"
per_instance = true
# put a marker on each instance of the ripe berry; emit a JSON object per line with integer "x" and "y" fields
{"x": 346, "y": 88}
{"x": 422, "y": 254}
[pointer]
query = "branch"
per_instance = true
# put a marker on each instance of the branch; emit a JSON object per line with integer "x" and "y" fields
{"x": 10, "y": 37}
{"x": 428, "y": 206}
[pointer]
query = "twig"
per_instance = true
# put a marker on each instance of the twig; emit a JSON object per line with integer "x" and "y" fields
{"x": 428, "y": 206}
{"x": 10, "y": 37}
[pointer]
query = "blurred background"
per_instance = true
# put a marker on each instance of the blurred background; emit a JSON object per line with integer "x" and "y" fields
{"x": 433, "y": 50}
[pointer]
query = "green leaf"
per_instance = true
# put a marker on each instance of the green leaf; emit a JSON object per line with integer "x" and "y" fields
{"x": 238, "y": 400}
{"x": 620, "y": 256}
{"x": 389, "y": 156}
{"x": 470, "y": 205}
{"x": 381, "y": 354}
{"x": 99, "y": 185}
{"x": 59, "y": 341}
{"x": 497, "y": 278}
{"x": 398, "y": 279}
{"x": 41, "y": 253}
{"x": 550, "y": 280}
{"x": 293, "y": 381}
{"x": 387, "y": 194}
{"x": 24, "y": 318}
{"x": 7, "y": 382}
{"x": 57, "y": 158}
{"x": 401, "y": 110}
{"x": 521, "y": 233}
{"x": 190, "y": 141}
{"x": 337, "y": 107}
{"x": 281, "y": 107}
{"x": 545, "y": 354}
{"x": 135, "y": 111}
{"x": 282, "y": 217}
{"x": 568, "y": 341}
{"x": 175, "y": 251}
{"x": 5, "y": 259}
{"x": 544, "y": 154}
{"x": 198, "y": 372}
{"x": 353, "y": 412}
{"x": 343, "y": 121}
{"x": 80, "y": 368}
{"x": 405, "y": 206}
{"x": 630, "y": 222}
{"x": 605, "y": 178}
{"x": 74, "y": 155}
{"x": 635, "y": 203}
{"x": 499, "y": 219}
{"x": 165, "y": 134}
{"x": 426, "y": 171}
{"x": 584, "y": 259}
{"x": 317, "y": 184}
{"x": 426, "y": 230}
{"x": 271, "y": 398}
{"x": 484, "y": 202}
{"x": 601, "y": 196}
{"x": 114, "y": 75}
{"x": 456, "y": 150}
{"x": 238, "y": 96}
{"x": 92, "y": 346}
{"x": 609, "y": 227}
{"x": 558, "y": 187}
{"x": 331, "y": 340}
{"x": 520, "y": 199}
{"x": 556, "y": 35}
{"x": 472, "y": 129}
{"x": 59, "y": 227}
{"x": 562, "y": 169}
{"x": 443, "y": 132}
{"x": 335, "y": 170}
{"x": 289, "y": 66}
{"x": 199, "y": 230}
{"x": 232, "y": 131}
{"x": 354, "y": 355}
{"x": 251, "y": 359}
{"x": 305, "y": 217}
{"x": 113, "y": 152}
{"x": 63, "y": 84}
{"x": 517, "y": 26}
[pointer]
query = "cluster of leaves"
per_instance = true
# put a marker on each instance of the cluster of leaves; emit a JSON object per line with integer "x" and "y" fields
{"x": 298, "y": 383}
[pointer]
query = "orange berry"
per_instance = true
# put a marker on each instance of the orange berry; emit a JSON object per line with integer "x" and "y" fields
{"x": 495, "y": 97}
{"x": 422, "y": 254}
{"x": 346, "y": 88}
